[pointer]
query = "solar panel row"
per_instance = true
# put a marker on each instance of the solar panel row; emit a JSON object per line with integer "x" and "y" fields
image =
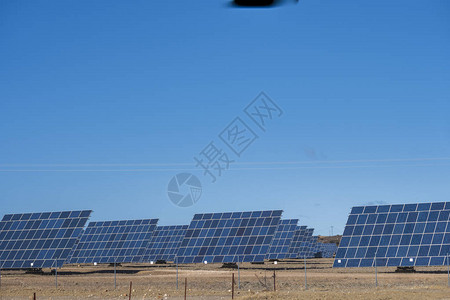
{"x": 282, "y": 239}
{"x": 39, "y": 240}
{"x": 114, "y": 241}
{"x": 229, "y": 237}
{"x": 328, "y": 249}
{"x": 164, "y": 243}
{"x": 396, "y": 235}
{"x": 245, "y": 236}
{"x": 306, "y": 245}
{"x": 297, "y": 240}
{"x": 311, "y": 248}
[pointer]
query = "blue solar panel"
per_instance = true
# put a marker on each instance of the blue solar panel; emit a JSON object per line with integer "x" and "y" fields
{"x": 327, "y": 249}
{"x": 164, "y": 243}
{"x": 282, "y": 239}
{"x": 294, "y": 248}
{"x": 306, "y": 244}
{"x": 313, "y": 247}
{"x": 39, "y": 240}
{"x": 396, "y": 235}
{"x": 229, "y": 237}
{"x": 114, "y": 241}
{"x": 317, "y": 248}
{"x": 69, "y": 257}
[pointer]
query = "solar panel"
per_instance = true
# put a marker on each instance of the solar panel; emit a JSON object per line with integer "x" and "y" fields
{"x": 114, "y": 241}
{"x": 294, "y": 248}
{"x": 316, "y": 248}
{"x": 164, "y": 243}
{"x": 328, "y": 249}
{"x": 306, "y": 245}
{"x": 282, "y": 239}
{"x": 69, "y": 257}
{"x": 396, "y": 235}
{"x": 313, "y": 247}
{"x": 229, "y": 237}
{"x": 39, "y": 240}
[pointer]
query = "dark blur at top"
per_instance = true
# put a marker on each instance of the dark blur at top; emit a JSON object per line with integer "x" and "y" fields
{"x": 260, "y": 3}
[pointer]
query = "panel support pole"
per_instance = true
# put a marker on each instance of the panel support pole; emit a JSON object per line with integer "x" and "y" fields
{"x": 232, "y": 286}
{"x": 129, "y": 295}
{"x": 306, "y": 279}
{"x": 376, "y": 273}
{"x": 274, "y": 281}
{"x": 239, "y": 276}
{"x": 115, "y": 282}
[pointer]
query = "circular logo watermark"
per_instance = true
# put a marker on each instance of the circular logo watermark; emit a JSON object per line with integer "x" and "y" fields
{"x": 184, "y": 189}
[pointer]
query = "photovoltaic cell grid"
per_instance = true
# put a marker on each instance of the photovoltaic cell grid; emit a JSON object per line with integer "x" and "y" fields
{"x": 69, "y": 257}
{"x": 294, "y": 248}
{"x": 306, "y": 245}
{"x": 229, "y": 237}
{"x": 396, "y": 235}
{"x": 312, "y": 247}
{"x": 164, "y": 243}
{"x": 282, "y": 239}
{"x": 42, "y": 239}
{"x": 318, "y": 249}
{"x": 315, "y": 246}
{"x": 114, "y": 241}
{"x": 328, "y": 249}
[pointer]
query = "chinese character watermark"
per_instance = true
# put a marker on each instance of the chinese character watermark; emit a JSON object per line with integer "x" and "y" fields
{"x": 238, "y": 136}
{"x": 262, "y": 110}
{"x": 185, "y": 189}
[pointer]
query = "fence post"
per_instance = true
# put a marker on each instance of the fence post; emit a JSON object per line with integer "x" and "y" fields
{"x": 115, "y": 283}
{"x": 376, "y": 273}
{"x": 129, "y": 295}
{"x": 239, "y": 276}
{"x": 274, "y": 282}
{"x": 56, "y": 275}
{"x": 306, "y": 280}
{"x": 185, "y": 288}
{"x": 232, "y": 286}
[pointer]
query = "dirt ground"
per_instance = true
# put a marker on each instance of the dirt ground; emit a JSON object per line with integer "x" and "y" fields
{"x": 214, "y": 282}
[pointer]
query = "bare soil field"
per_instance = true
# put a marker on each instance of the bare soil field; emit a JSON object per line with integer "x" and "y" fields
{"x": 214, "y": 282}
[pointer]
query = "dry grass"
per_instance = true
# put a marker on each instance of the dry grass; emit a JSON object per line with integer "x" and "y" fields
{"x": 212, "y": 282}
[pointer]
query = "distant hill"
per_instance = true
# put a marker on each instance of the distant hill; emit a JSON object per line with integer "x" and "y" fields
{"x": 330, "y": 239}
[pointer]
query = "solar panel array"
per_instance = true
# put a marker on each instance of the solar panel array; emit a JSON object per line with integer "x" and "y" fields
{"x": 282, "y": 239}
{"x": 114, "y": 241}
{"x": 39, "y": 240}
{"x": 42, "y": 240}
{"x": 294, "y": 248}
{"x": 229, "y": 237}
{"x": 164, "y": 243}
{"x": 396, "y": 235}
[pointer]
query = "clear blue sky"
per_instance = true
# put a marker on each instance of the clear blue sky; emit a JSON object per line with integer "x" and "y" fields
{"x": 88, "y": 83}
